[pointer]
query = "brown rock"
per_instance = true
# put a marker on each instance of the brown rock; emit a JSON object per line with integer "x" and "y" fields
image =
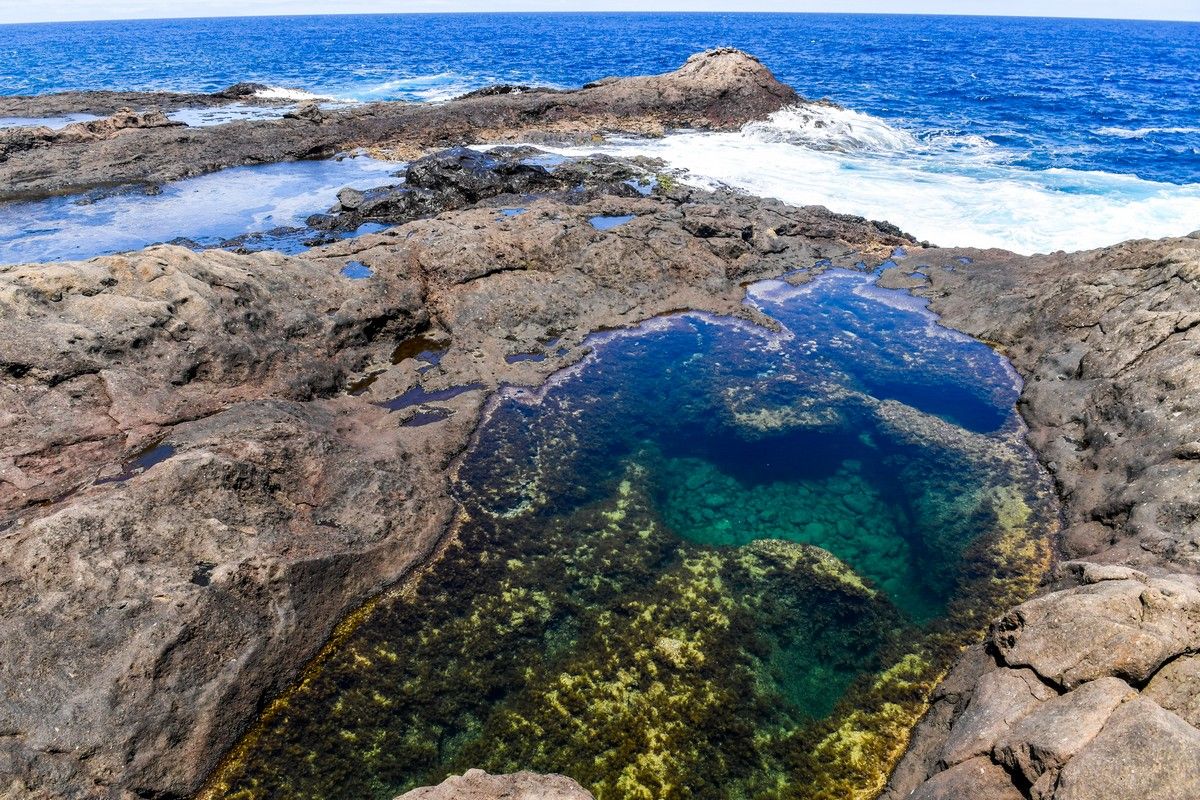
{"x": 1176, "y": 687}
{"x": 976, "y": 779}
{"x": 1123, "y": 628}
{"x": 1142, "y": 752}
{"x": 1040, "y": 743}
{"x": 476, "y": 784}
{"x": 1000, "y": 699}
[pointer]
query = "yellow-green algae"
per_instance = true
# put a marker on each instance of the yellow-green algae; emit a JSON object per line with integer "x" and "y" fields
{"x": 670, "y": 691}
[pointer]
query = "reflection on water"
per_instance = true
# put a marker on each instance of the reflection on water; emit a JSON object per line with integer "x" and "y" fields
{"x": 709, "y": 561}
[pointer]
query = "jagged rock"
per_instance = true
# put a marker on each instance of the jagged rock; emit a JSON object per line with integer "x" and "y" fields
{"x": 476, "y": 784}
{"x": 1000, "y": 698}
{"x": 350, "y": 199}
{"x": 1121, "y": 628}
{"x": 1040, "y": 743}
{"x": 475, "y": 175}
{"x": 309, "y": 111}
{"x": 240, "y": 91}
{"x": 1176, "y": 687}
{"x": 1142, "y": 752}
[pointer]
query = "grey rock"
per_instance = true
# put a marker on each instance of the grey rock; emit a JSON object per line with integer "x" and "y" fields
{"x": 350, "y": 198}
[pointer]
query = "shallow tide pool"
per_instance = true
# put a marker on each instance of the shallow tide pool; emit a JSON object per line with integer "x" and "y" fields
{"x": 711, "y": 560}
{"x": 206, "y": 210}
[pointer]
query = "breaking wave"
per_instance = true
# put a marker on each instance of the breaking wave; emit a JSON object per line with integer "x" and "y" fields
{"x": 950, "y": 189}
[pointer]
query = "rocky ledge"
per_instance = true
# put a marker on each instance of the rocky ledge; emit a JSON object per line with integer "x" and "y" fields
{"x": 210, "y": 459}
{"x": 718, "y": 89}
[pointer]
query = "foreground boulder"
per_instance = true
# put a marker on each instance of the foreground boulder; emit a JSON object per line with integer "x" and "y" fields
{"x": 1071, "y": 722}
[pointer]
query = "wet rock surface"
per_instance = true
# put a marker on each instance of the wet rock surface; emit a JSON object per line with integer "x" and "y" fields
{"x": 714, "y": 90}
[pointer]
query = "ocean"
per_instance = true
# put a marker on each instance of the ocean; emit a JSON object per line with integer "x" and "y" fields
{"x": 1031, "y": 134}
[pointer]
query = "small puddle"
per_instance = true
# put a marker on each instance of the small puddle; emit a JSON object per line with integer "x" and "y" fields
{"x": 607, "y": 223}
{"x": 706, "y": 556}
{"x": 427, "y": 417}
{"x": 513, "y": 212}
{"x": 418, "y": 395}
{"x": 517, "y": 358}
{"x": 357, "y": 271}
{"x": 141, "y": 462}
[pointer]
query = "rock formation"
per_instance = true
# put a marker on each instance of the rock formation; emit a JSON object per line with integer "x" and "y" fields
{"x": 720, "y": 89}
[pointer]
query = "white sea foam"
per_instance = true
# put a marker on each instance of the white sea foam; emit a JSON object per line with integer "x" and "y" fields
{"x": 947, "y": 189}
{"x": 1141, "y": 133}
{"x": 293, "y": 95}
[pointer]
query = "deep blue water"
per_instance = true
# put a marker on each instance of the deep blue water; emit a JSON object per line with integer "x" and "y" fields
{"x": 1112, "y": 96}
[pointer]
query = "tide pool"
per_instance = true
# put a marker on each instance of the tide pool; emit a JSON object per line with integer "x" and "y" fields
{"x": 271, "y": 200}
{"x": 709, "y": 560}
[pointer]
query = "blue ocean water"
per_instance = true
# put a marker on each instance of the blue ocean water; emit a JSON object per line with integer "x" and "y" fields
{"x": 1106, "y": 95}
{"x": 1030, "y": 134}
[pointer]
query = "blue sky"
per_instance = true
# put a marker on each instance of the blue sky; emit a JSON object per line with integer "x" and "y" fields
{"x": 56, "y": 10}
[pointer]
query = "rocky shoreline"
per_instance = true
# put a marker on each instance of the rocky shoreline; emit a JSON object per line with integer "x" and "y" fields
{"x": 201, "y": 476}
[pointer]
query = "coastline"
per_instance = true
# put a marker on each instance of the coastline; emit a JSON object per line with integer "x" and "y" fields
{"x": 1093, "y": 369}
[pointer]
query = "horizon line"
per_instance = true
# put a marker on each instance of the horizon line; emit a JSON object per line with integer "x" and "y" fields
{"x": 597, "y": 12}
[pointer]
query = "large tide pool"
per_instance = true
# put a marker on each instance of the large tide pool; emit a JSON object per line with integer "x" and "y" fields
{"x": 711, "y": 560}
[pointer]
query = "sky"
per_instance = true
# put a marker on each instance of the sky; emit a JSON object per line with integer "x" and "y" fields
{"x": 63, "y": 10}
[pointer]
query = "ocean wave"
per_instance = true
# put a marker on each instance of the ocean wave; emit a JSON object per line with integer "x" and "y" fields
{"x": 828, "y": 128}
{"x": 818, "y": 126}
{"x": 950, "y": 198}
{"x": 422, "y": 88}
{"x": 1142, "y": 133}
